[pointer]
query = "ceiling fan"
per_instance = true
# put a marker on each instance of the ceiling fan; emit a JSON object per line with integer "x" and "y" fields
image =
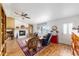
{"x": 23, "y": 15}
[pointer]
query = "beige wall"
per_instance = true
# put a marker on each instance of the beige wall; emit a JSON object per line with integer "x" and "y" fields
{"x": 10, "y": 23}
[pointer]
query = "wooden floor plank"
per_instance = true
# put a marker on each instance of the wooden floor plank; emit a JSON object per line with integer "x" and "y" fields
{"x": 55, "y": 50}
{"x": 13, "y": 48}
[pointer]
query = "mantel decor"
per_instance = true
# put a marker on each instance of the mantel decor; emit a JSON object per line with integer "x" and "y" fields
{"x": 17, "y": 27}
{"x": 22, "y": 26}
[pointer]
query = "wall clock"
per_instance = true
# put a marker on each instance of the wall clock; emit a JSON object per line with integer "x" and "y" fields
{"x": 54, "y": 27}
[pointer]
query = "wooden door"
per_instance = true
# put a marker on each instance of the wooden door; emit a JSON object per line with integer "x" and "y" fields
{"x": 30, "y": 29}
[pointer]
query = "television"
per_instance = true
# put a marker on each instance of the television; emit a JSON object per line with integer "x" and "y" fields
{"x": 22, "y": 33}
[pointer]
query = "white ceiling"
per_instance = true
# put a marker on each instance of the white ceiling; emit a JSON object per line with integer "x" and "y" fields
{"x": 42, "y": 12}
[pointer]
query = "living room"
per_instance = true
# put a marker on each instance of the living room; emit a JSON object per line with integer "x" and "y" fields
{"x": 51, "y": 24}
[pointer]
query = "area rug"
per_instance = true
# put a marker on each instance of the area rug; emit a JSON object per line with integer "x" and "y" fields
{"x": 22, "y": 45}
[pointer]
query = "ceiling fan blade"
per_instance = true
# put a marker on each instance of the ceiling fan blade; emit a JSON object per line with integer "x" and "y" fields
{"x": 17, "y": 13}
{"x": 24, "y": 15}
{"x": 27, "y": 17}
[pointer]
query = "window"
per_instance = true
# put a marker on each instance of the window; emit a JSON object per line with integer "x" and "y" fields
{"x": 67, "y": 28}
{"x": 43, "y": 28}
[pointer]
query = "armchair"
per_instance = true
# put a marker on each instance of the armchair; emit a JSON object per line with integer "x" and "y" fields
{"x": 46, "y": 39}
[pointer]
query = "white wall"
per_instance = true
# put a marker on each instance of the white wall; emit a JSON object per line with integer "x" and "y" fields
{"x": 66, "y": 39}
{"x": 59, "y": 23}
{"x": 19, "y": 23}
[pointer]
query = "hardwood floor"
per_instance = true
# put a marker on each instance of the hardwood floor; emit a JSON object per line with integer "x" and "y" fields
{"x": 13, "y": 49}
{"x": 55, "y": 50}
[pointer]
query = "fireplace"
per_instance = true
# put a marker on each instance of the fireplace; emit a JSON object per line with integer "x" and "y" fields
{"x": 22, "y": 33}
